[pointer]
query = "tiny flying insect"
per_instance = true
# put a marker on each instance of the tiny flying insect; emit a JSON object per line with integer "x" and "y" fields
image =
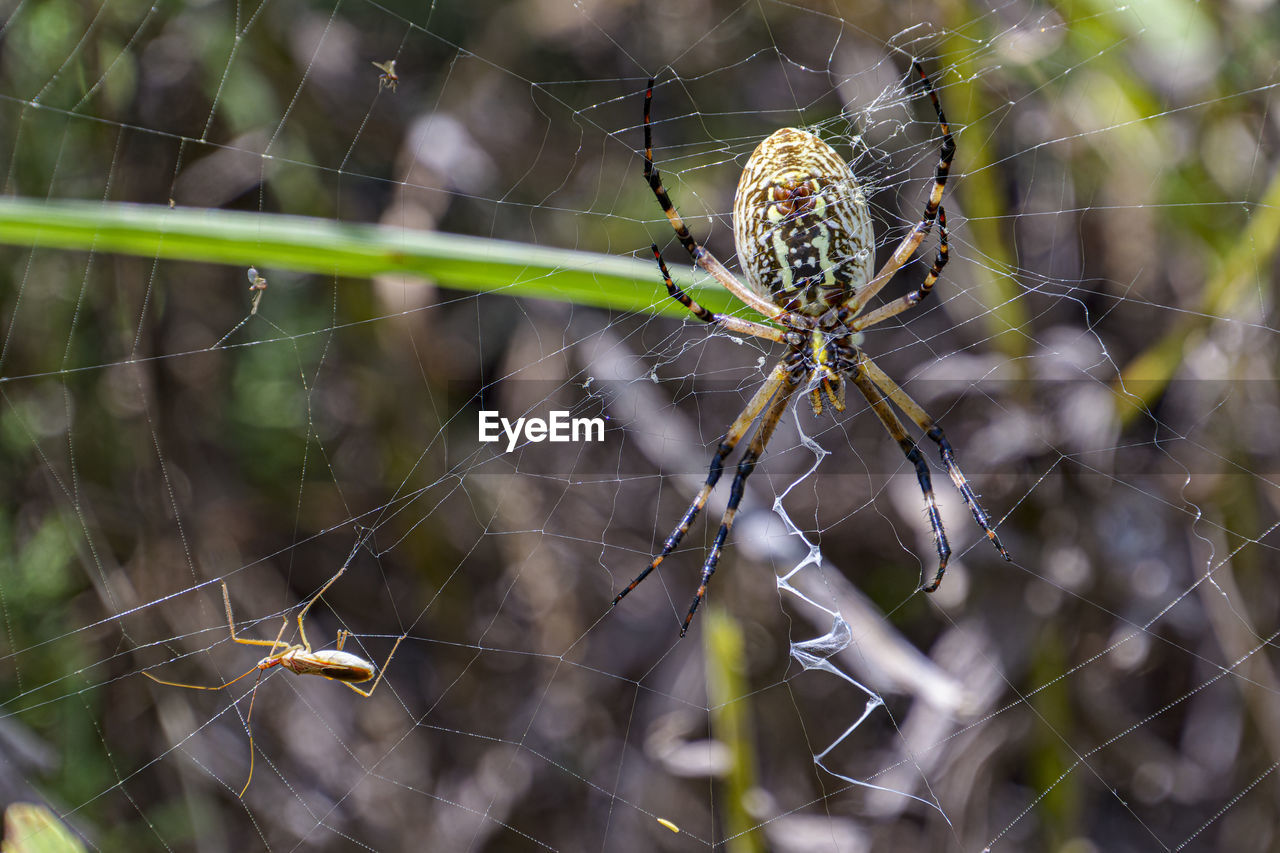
{"x": 257, "y": 284}
{"x": 388, "y": 78}
{"x": 334, "y": 664}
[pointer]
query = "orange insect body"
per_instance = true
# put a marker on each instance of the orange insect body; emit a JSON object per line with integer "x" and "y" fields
{"x": 333, "y": 664}
{"x": 329, "y": 663}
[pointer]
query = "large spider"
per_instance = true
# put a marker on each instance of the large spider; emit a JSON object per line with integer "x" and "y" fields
{"x": 802, "y": 230}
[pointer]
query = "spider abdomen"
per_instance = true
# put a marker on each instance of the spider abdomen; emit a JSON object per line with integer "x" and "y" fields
{"x": 801, "y": 224}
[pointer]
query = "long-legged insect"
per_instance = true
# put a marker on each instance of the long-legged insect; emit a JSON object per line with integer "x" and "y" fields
{"x": 333, "y": 664}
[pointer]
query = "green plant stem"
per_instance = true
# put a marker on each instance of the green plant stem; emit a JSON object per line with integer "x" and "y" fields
{"x": 731, "y": 725}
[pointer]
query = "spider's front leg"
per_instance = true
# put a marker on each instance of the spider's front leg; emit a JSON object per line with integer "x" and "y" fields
{"x": 878, "y": 388}
{"x": 746, "y": 465}
{"x": 778, "y": 387}
{"x": 921, "y": 418}
{"x": 899, "y": 432}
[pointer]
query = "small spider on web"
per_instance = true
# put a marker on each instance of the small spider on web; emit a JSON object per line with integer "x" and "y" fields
{"x": 334, "y": 664}
{"x": 802, "y": 230}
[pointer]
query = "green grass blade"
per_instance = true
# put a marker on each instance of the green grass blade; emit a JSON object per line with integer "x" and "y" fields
{"x": 32, "y": 828}
{"x": 327, "y": 247}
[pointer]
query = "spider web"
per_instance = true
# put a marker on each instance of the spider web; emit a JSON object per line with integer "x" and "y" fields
{"x": 1100, "y": 349}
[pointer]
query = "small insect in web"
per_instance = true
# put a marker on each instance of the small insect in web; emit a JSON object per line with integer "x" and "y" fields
{"x": 388, "y": 79}
{"x": 333, "y": 664}
{"x": 802, "y": 229}
{"x": 257, "y": 286}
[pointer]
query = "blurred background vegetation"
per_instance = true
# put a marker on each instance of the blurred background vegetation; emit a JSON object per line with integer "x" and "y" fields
{"x": 1101, "y": 350}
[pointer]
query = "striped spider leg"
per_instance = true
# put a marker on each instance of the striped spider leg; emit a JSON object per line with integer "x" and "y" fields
{"x": 877, "y": 387}
{"x": 804, "y": 237}
{"x": 334, "y": 664}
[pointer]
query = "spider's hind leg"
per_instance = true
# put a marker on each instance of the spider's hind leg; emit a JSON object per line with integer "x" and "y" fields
{"x": 723, "y": 321}
{"x": 697, "y": 252}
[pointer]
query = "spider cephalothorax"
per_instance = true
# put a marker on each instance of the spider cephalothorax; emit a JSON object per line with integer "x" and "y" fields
{"x": 802, "y": 229}
{"x": 825, "y": 360}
